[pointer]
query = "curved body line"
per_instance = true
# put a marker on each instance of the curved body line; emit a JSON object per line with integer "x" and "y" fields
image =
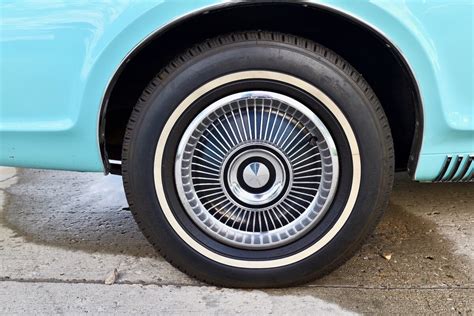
{"x": 417, "y": 142}
{"x": 59, "y": 64}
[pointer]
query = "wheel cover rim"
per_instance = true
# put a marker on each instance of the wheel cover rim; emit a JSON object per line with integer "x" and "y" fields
{"x": 247, "y": 130}
{"x": 271, "y": 262}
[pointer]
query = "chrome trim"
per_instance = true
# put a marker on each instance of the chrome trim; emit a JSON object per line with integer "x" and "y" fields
{"x": 456, "y": 173}
{"x": 115, "y": 162}
{"x": 454, "y": 169}
{"x": 445, "y": 167}
{"x": 463, "y": 175}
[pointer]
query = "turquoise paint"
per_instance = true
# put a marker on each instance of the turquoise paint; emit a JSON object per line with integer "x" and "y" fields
{"x": 57, "y": 58}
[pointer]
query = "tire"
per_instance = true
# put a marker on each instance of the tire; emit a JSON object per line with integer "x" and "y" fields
{"x": 273, "y": 220}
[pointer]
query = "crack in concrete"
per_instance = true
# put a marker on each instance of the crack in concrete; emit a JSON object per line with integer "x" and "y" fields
{"x": 6, "y": 179}
{"x": 78, "y": 281}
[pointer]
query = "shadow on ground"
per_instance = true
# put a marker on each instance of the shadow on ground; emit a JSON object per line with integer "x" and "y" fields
{"x": 88, "y": 212}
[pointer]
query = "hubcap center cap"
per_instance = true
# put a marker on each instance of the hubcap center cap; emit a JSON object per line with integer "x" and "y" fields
{"x": 256, "y": 175}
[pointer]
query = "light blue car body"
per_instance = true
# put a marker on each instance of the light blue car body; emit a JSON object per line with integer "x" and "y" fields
{"x": 57, "y": 59}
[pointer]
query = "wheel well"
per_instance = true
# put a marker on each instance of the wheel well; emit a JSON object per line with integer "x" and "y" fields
{"x": 367, "y": 51}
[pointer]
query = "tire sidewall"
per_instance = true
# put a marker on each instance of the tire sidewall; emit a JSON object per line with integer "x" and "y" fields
{"x": 213, "y": 64}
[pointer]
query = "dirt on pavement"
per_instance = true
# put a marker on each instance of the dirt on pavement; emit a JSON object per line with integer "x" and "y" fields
{"x": 67, "y": 228}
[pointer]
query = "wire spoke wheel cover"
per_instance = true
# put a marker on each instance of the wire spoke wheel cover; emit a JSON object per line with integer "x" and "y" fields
{"x": 256, "y": 169}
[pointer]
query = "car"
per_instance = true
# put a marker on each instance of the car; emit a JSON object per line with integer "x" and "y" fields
{"x": 257, "y": 140}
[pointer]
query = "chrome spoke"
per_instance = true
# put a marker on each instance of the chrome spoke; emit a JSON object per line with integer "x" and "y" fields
{"x": 202, "y": 197}
{"x": 232, "y": 214}
{"x": 279, "y": 128}
{"x": 292, "y": 207}
{"x": 220, "y": 149}
{"x": 306, "y": 177}
{"x": 305, "y": 188}
{"x": 305, "y": 182}
{"x": 309, "y": 170}
{"x": 237, "y": 126}
{"x": 243, "y": 125}
{"x": 215, "y": 199}
{"x": 230, "y": 209}
{"x": 206, "y": 154}
{"x": 283, "y": 133}
{"x": 276, "y": 217}
{"x": 296, "y": 137}
{"x": 207, "y": 183}
{"x": 298, "y": 198}
{"x": 294, "y": 191}
{"x": 207, "y": 190}
{"x": 204, "y": 178}
{"x": 207, "y": 161}
{"x": 222, "y": 136}
{"x": 301, "y": 148}
{"x": 248, "y": 118}
{"x": 207, "y": 173}
{"x": 203, "y": 166}
{"x": 234, "y": 140}
{"x": 304, "y": 166}
{"x": 303, "y": 154}
{"x": 262, "y": 114}
{"x": 269, "y": 116}
{"x": 277, "y": 113}
{"x": 289, "y": 134}
{"x": 301, "y": 161}
{"x": 255, "y": 120}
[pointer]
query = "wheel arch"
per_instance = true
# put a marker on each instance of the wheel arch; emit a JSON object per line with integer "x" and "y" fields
{"x": 404, "y": 110}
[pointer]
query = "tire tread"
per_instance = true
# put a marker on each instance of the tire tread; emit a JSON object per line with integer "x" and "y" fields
{"x": 310, "y": 47}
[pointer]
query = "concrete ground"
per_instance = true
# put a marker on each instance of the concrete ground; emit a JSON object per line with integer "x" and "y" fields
{"x": 63, "y": 233}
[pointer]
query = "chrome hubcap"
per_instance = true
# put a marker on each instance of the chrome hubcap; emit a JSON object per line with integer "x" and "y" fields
{"x": 256, "y": 169}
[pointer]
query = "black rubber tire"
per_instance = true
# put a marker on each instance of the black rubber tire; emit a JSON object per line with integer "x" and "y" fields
{"x": 269, "y": 51}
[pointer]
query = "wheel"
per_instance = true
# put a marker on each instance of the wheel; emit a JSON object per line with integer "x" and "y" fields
{"x": 257, "y": 159}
